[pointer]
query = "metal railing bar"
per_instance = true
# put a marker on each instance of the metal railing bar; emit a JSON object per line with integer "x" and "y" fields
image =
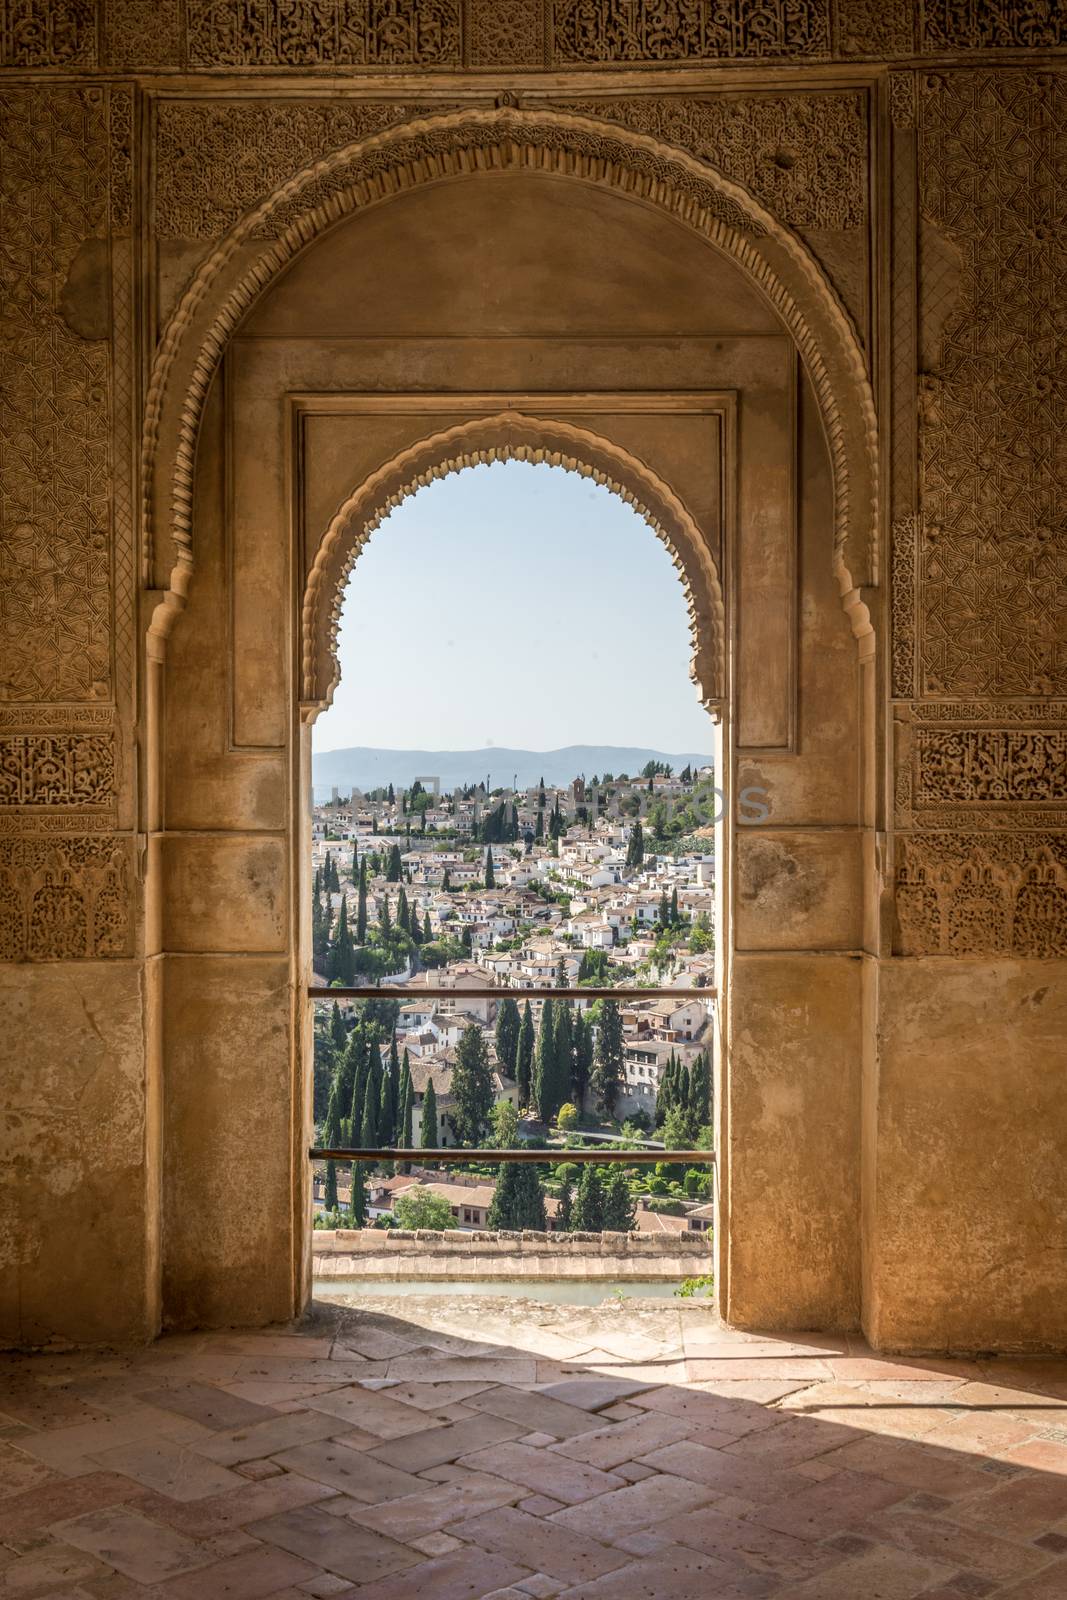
{"x": 398, "y": 992}
{"x": 455, "y": 1155}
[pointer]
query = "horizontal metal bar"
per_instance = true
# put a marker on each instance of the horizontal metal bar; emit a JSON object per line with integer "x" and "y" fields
{"x": 370, "y": 992}
{"x": 455, "y": 1156}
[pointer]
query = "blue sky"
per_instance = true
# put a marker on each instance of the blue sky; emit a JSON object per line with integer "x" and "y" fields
{"x": 516, "y": 605}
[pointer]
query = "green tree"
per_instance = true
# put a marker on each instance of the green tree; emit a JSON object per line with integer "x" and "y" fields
{"x": 663, "y": 916}
{"x": 563, "y": 1057}
{"x": 544, "y": 1067}
{"x": 583, "y": 1058}
{"x": 427, "y": 931}
{"x": 676, "y": 917}
{"x": 419, "y": 1207}
{"x": 524, "y": 1056}
{"x": 620, "y": 1207}
{"x": 338, "y": 1031}
{"x": 357, "y": 1203}
{"x": 519, "y": 1198}
{"x": 567, "y": 1117}
{"x": 407, "y": 1105}
{"x": 507, "y": 1036}
{"x": 428, "y": 1127}
{"x": 565, "y": 1213}
{"x": 368, "y": 1126}
{"x": 386, "y": 1112}
{"x": 385, "y": 924}
{"x": 561, "y": 973}
{"x": 329, "y": 1197}
{"x": 635, "y": 849}
{"x": 472, "y": 1087}
{"x": 361, "y": 903}
{"x": 340, "y": 966}
{"x": 446, "y": 881}
{"x": 700, "y": 1089}
{"x": 395, "y": 867}
{"x": 320, "y": 925}
{"x": 403, "y": 920}
{"x": 608, "y": 1064}
{"x": 490, "y": 875}
{"x": 356, "y": 1067}
{"x": 589, "y": 1202}
{"x": 505, "y": 1120}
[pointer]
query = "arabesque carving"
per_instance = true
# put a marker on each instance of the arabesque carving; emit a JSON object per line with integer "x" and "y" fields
{"x": 993, "y": 550}
{"x": 982, "y": 894}
{"x": 507, "y": 33}
{"x": 992, "y": 25}
{"x": 64, "y": 898}
{"x": 803, "y": 155}
{"x": 874, "y": 29}
{"x": 510, "y": 435}
{"x": 227, "y": 284}
{"x": 317, "y": 33}
{"x": 57, "y": 769}
{"x": 48, "y": 33}
{"x": 55, "y": 561}
{"x": 617, "y": 31}
{"x": 902, "y": 605}
{"x": 999, "y": 766}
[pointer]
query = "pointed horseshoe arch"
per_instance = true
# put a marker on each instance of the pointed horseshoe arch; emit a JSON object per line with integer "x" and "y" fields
{"x": 509, "y": 435}
{"x": 246, "y": 262}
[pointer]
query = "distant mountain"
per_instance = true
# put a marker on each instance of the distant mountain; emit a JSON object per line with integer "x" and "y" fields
{"x": 363, "y": 768}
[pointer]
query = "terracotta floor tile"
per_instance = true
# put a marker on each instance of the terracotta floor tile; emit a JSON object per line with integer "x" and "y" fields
{"x": 544, "y": 1473}
{"x": 433, "y": 1544}
{"x": 793, "y": 1440}
{"x": 251, "y": 1576}
{"x": 207, "y": 1404}
{"x": 76, "y": 1448}
{"x": 258, "y": 1439}
{"x": 636, "y": 1505}
{"x": 917, "y": 1466}
{"x": 673, "y": 1574}
{"x": 436, "y": 1506}
{"x": 23, "y": 1514}
{"x": 431, "y": 1396}
{"x": 1041, "y": 1454}
{"x": 987, "y": 1434}
{"x": 354, "y": 1472}
{"x": 808, "y": 1369}
{"x": 140, "y": 1549}
{"x": 336, "y": 1544}
{"x": 172, "y": 1469}
{"x": 542, "y": 1546}
{"x": 722, "y": 1472}
{"x": 52, "y": 1569}
{"x": 1019, "y": 1509}
{"x": 877, "y": 1574}
{"x": 462, "y": 1575}
{"x": 745, "y": 1543}
{"x": 465, "y": 1369}
{"x": 222, "y": 1513}
{"x": 592, "y": 1394}
{"x": 294, "y": 1369}
{"x": 970, "y": 1549}
{"x": 625, "y": 1441}
{"x": 835, "y": 1506}
{"x": 24, "y": 1399}
{"x": 19, "y": 1471}
{"x": 538, "y": 1411}
{"x": 434, "y": 1447}
{"x": 376, "y": 1411}
{"x": 717, "y": 1412}
{"x": 1048, "y": 1585}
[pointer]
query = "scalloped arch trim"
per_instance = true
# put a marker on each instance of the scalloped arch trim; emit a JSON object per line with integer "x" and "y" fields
{"x": 512, "y": 436}
{"x": 462, "y": 144}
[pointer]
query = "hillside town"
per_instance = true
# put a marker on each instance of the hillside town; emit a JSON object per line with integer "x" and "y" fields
{"x": 603, "y": 884}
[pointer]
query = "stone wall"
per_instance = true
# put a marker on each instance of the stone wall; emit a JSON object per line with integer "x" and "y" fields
{"x": 892, "y": 173}
{"x": 462, "y": 1256}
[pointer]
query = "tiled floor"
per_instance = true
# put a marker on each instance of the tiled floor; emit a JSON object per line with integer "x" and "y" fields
{"x": 449, "y": 1450}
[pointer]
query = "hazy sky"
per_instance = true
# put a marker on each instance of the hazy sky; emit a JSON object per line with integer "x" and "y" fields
{"x": 515, "y": 605}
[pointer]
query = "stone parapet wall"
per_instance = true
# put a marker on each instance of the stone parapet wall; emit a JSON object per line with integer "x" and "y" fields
{"x": 373, "y": 1252}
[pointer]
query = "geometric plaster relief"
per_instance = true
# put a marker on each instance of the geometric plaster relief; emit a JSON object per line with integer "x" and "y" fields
{"x": 64, "y": 899}
{"x": 55, "y": 562}
{"x": 804, "y": 155}
{"x": 215, "y": 161}
{"x": 902, "y": 605}
{"x": 143, "y": 33}
{"x": 993, "y": 550}
{"x": 1014, "y": 766}
{"x": 982, "y": 894}
{"x": 874, "y": 28}
{"x": 315, "y": 33}
{"x": 506, "y": 33}
{"x": 616, "y": 31}
{"x": 991, "y": 25}
{"x": 64, "y": 769}
{"x": 48, "y": 33}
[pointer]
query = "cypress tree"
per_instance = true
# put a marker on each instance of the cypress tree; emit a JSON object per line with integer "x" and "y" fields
{"x": 472, "y": 1087}
{"x": 545, "y": 1061}
{"x": 519, "y": 1199}
{"x": 561, "y": 974}
{"x": 563, "y": 1056}
{"x": 340, "y": 965}
{"x": 407, "y": 1105}
{"x": 620, "y": 1208}
{"x": 355, "y": 864}
{"x": 507, "y": 1036}
{"x": 446, "y": 881}
{"x": 539, "y": 830}
{"x": 565, "y": 1214}
{"x": 320, "y": 926}
{"x": 356, "y": 1068}
{"x": 394, "y": 1082}
{"x": 427, "y": 931}
{"x": 357, "y": 1203}
{"x": 524, "y": 1055}
{"x": 428, "y": 1130}
{"x": 368, "y": 1127}
{"x": 386, "y": 1115}
{"x": 675, "y": 914}
{"x": 403, "y": 920}
{"x": 635, "y": 849}
{"x": 681, "y": 1086}
{"x": 395, "y": 867}
{"x": 361, "y": 904}
{"x": 607, "y": 1068}
{"x": 329, "y": 1198}
{"x": 338, "y": 1031}
{"x": 589, "y": 1204}
{"x": 490, "y": 875}
{"x": 664, "y": 914}
{"x": 700, "y": 1090}
{"x": 583, "y": 1059}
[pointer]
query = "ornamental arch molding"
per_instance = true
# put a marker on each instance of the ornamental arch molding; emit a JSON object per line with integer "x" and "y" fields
{"x": 436, "y": 149}
{"x": 509, "y": 435}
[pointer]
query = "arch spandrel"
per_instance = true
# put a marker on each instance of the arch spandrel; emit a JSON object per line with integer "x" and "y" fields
{"x": 462, "y": 145}
{"x": 509, "y": 435}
